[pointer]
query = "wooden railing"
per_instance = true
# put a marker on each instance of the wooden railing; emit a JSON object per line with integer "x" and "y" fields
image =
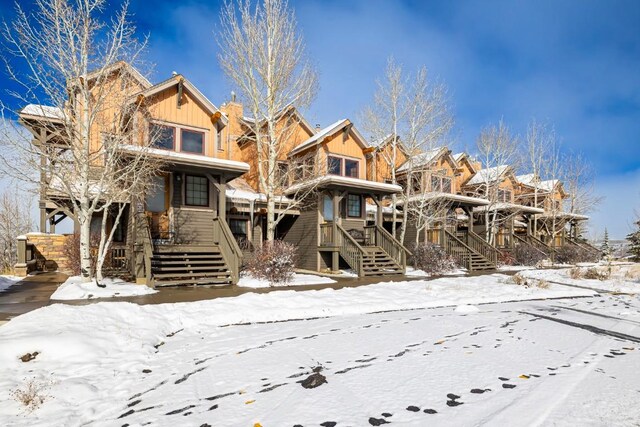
{"x": 539, "y": 244}
{"x": 326, "y": 234}
{"x": 479, "y": 245}
{"x": 118, "y": 259}
{"x": 482, "y": 247}
{"x": 524, "y": 241}
{"x": 147, "y": 253}
{"x": 229, "y": 247}
{"x": 378, "y": 236}
{"x": 456, "y": 248}
{"x": 350, "y": 250}
{"x": 584, "y": 245}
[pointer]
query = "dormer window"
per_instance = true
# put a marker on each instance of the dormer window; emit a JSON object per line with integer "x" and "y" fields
{"x": 192, "y": 141}
{"x": 343, "y": 167}
{"x": 163, "y": 136}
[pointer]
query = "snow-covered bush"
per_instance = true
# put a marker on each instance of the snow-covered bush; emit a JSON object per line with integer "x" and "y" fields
{"x": 527, "y": 255}
{"x": 32, "y": 394}
{"x": 432, "y": 259}
{"x": 273, "y": 262}
{"x": 595, "y": 274}
{"x": 573, "y": 254}
{"x": 528, "y": 282}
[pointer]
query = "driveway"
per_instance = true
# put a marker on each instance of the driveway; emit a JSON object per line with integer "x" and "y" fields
{"x": 31, "y": 293}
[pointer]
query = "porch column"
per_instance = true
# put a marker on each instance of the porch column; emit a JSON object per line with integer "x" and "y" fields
{"x": 222, "y": 198}
{"x": 335, "y": 255}
{"x": 378, "y": 202}
{"x": 43, "y": 220}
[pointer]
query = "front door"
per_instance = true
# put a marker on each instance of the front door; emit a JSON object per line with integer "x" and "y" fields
{"x": 157, "y": 209}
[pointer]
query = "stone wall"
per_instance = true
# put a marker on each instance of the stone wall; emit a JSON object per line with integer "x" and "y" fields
{"x": 49, "y": 251}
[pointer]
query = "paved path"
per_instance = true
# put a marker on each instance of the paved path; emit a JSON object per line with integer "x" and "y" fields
{"x": 31, "y": 293}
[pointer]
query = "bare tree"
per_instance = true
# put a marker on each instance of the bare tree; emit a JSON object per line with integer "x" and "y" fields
{"x": 15, "y": 219}
{"x": 74, "y": 65}
{"x": 579, "y": 180}
{"x": 539, "y": 141}
{"x": 263, "y": 54}
{"x": 426, "y": 206}
{"x": 498, "y": 151}
{"x": 413, "y": 113}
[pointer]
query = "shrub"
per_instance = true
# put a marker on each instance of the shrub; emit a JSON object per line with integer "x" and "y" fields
{"x": 273, "y": 262}
{"x": 527, "y": 255}
{"x": 32, "y": 395}
{"x": 573, "y": 254}
{"x": 595, "y": 274}
{"x": 432, "y": 259}
{"x": 527, "y": 282}
{"x": 575, "y": 273}
{"x": 72, "y": 252}
{"x": 505, "y": 258}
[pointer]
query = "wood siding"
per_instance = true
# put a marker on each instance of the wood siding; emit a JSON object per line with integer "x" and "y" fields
{"x": 304, "y": 234}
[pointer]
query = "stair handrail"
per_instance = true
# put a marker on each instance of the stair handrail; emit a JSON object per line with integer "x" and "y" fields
{"x": 524, "y": 241}
{"x": 147, "y": 248}
{"x": 584, "y": 245}
{"x": 349, "y": 249}
{"x": 229, "y": 247}
{"x": 464, "y": 261}
{"x": 482, "y": 247}
{"x": 396, "y": 250}
{"x": 531, "y": 239}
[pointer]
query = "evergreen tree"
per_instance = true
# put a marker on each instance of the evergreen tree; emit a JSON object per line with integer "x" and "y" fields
{"x": 634, "y": 242}
{"x": 605, "y": 248}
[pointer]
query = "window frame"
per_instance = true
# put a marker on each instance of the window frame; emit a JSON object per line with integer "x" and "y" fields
{"x": 204, "y": 141}
{"x": 186, "y": 191}
{"x": 331, "y": 158}
{"x": 173, "y": 130}
{"x": 357, "y": 164}
{"x": 348, "y": 198}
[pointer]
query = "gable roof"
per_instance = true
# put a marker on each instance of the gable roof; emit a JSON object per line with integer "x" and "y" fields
{"x": 528, "y": 179}
{"x": 330, "y": 130}
{"x": 42, "y": 111}
{"x": 131, "y": 70}
{"x": 488, "y": 174}
{"x": 423, "y": 159}
{"x": 190, "y": 87}
{"x": 464, "y": 157}
{"x": 250, "y": 121}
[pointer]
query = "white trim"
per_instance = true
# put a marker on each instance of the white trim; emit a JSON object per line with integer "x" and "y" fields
{"x": 188, "y": 159}
{"x": 356, "y": 183}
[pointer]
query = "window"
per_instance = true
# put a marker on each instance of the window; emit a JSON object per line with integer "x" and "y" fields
{"x": 282, "y": 171}
{"x": 351, "y": 168}
{"x": 354, "y": 205}
{"x": 162, "y": 136}
{"x": 343, "y": 167}
{"x": 334, "y": 165}
{"x": 192, "y": 141}
{"x": 504, "y": 195}
{"x": 238, "y": 227}
{"x": 219, "y": 139}
{"x": 156, "y": 201}
{"x": 441, "y": 184}
{"x": 196, "y": 190}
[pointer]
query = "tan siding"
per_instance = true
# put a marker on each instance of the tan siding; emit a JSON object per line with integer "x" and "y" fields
{"x": 193, "y": 226}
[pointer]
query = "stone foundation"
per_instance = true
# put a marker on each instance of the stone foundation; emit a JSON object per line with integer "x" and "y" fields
{"x": 49, "y": 251}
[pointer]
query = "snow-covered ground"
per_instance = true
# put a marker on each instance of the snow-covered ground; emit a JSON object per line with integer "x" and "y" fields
{"x": 624, "y": 278}
{"x": 7, "y": 281}
{"x": 75, "y": 288}
{"x": 414, "y": 272}
{"x": 299, "y": 279}
{"x": 525, "y": 363}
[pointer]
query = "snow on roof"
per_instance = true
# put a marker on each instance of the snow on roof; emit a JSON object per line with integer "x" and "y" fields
{"x": 421, "y": 159}
{"x": 190, "y": 159}
{"x": 380, "y": 141}
{"x": 488, "y": 175}
{"x": 238, "y": 190}
{"x": 458, "y": 156}
{"x": 345, "y": 181}
{"x": 564, "y": 215}
{"x": 528, "y": 179}
{"x": 511, "y": 207}
{"x": 43, "y": 111}
{"x": 449, "y": 196}
{"x": 318, "y": 137}
{"x": 372, "y": 208}
{"x": 548, "y": 185}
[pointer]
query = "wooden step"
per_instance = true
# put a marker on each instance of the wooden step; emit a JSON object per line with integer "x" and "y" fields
{"x": 177, "y": 257}
{"x": 199, "y": 282}
{"x": 183, "y": 268}
{"x": 186, "y": 274}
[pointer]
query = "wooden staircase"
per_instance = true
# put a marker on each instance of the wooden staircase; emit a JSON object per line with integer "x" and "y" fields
{"x": 537, "y": 244}
{"x": 473, "y": 259}
{"x": 187, "y": 265}
{"x": 377, "y": 262}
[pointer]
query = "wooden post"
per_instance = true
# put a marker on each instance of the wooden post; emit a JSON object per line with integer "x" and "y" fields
{"x": 222, "y": 198}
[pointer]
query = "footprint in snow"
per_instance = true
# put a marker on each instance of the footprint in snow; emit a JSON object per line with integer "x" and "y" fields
{"x": 505, "y": 385}
{"x": 479, "y": 390}
{"x": 377, "y": 421}
{"x": 430, "y": 411}
{"x": 453, "y": 403}
{"x": 503, "y": 379}
{"x": 329, "y": 424}
{"x": 413, "y": 409}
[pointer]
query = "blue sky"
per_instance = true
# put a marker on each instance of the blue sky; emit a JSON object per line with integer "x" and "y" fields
{"x": 575, "y": 64}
